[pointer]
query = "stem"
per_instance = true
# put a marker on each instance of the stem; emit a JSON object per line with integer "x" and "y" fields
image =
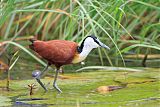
{"x": 8, "y": 80}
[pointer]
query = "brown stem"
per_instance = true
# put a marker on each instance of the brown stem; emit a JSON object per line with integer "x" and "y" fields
{"x": 144, "y": 60}
{"x": 8, "y": 80}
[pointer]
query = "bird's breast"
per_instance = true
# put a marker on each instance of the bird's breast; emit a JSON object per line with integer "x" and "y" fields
{"x": 78, "y": 58}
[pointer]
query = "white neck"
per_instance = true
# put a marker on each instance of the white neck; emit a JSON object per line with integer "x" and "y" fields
{"x": 82, "y": 56}
{"x": 86, "y": 50}
{"x": 88, "y": 45}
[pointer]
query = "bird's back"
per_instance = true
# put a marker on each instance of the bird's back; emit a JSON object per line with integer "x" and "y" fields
{"x": 57, "y": 52}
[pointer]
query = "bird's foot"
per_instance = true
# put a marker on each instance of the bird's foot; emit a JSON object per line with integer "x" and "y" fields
{"x": 57, "y": 88}
{"x": 36, "y": 74}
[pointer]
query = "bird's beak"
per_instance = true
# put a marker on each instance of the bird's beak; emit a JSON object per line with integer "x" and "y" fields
{"x": 103, "y": 45}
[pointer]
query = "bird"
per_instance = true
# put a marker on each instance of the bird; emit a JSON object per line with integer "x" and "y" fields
{"x": 62, "y": 52}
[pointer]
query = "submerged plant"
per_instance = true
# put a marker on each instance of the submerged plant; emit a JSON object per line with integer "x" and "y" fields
{"x": 12, "y": 59}
{"x": 31, "y": 88}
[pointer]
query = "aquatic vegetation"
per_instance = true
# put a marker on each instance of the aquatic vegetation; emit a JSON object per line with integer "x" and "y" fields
{"x": 142, "y": 88}
{"x": 130, "y": 27}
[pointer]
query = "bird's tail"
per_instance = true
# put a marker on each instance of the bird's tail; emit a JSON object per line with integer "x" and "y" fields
{"x": 32, "y": 40}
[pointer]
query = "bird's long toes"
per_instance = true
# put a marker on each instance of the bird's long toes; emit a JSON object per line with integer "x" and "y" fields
{"x": 57, "y": 88}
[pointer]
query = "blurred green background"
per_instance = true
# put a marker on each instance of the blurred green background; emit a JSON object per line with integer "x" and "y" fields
{"x": 131, "y": 28}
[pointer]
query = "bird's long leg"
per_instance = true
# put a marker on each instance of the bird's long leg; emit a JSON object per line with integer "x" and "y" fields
{"x": 38, "y": 77}
{"x": 54, "y": 82}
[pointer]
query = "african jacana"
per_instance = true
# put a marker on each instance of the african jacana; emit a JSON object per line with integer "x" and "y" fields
{"x": 62, "y": 52}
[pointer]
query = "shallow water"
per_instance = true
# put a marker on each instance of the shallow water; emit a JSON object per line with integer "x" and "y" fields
{"x": 140, "y": 89}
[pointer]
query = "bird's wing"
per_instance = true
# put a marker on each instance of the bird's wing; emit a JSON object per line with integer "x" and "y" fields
{"x": 58, "y": 51}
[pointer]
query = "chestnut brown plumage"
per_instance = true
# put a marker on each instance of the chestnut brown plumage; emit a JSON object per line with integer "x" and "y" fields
{"x": 57, "y": 52}
{"x": 62, "y": 52}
